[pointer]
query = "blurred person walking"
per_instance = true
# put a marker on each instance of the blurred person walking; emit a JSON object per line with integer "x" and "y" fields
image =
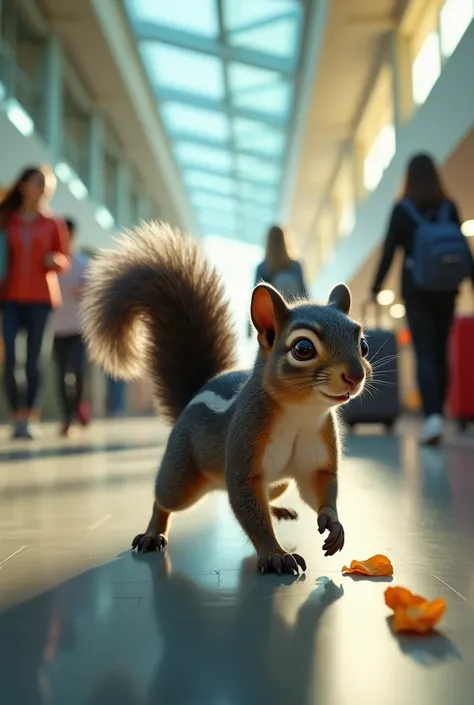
{"x": 281, "y": 266}
{"x": 425, "y": 224}
{"x": 68, "y": 347}
{"x": 34, "y": 248}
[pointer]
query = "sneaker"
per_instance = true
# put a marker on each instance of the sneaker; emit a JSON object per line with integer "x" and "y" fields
{"x": 432, "y": 431}
{"x": 22, "y": 430}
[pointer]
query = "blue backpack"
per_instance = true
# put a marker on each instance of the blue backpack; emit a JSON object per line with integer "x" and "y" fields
{"x": 441, "y": 259}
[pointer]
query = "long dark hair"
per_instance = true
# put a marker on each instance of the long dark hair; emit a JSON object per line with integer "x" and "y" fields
{"x": 13, "y": 199}
{"x": 423, "y": 184}
{"x": 280, "y": 250}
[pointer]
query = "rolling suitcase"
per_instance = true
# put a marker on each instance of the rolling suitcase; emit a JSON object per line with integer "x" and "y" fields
{"x": 461, "y": 371}
{"x": 380, "y": 402}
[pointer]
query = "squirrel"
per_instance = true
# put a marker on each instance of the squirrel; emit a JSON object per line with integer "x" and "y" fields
{"x": 155, "y": 306}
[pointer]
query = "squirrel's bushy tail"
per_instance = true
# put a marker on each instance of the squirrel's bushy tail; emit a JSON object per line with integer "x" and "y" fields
{"x": 153, "y": 306}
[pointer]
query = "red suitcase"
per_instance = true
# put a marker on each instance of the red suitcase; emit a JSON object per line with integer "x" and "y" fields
{"x": 461, "y": 371}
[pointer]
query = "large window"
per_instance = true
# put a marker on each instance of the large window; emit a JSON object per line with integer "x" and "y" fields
{"x": 455, "y": 17}
{"x": 376, "y": 134}
{"x": 346, "y": 219}
{"x": 419, "y": 28}
{"x": 76, "y": 132}
{"x": 379, "y": 157}
{"x": 344, "y": 197}
{"x": 426, "y": 68}
{"x": 22, "y": 70}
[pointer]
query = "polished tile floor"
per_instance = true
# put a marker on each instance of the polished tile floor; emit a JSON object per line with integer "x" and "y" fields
{"x": 83, "y": 621}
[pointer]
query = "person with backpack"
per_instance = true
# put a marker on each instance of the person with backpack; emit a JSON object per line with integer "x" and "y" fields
{"x": 281, "y": 267}
{"x": 425, "y": 224}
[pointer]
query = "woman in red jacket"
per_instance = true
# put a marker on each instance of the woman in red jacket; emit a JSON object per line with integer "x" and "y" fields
{"x": 37, "y": 249}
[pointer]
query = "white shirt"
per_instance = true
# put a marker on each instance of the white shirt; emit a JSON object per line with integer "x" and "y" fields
{"x": 66, "y": 319}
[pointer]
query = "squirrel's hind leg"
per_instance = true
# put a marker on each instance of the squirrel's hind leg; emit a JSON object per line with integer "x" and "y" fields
{"x": 179, "y": 485}
{"x": 155, "y": 538}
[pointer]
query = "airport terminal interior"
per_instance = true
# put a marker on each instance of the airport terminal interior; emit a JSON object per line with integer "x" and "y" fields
{"x": 223, "y": 118}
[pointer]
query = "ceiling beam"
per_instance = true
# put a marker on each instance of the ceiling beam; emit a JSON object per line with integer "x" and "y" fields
{"x": 249, "y": 200}
{"x": 263, "y": 23}
{"x": 214, "y": 47}
{"x": 333, "y": 131}
{"x": 212, "y": 192}
{"x": 173, "y": 95}
{"x": 238, "y": 177}
{"x": 372, "y": 22}
{"x": 216, "y": 212}
{"x": 204, "y": 169}
{"x": 223, "y": 39}
{"x": 206, "y": 142}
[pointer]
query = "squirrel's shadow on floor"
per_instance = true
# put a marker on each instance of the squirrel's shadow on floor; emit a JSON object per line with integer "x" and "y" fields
{"x": 428, "y": 649}
{"x": 242, "y": 645}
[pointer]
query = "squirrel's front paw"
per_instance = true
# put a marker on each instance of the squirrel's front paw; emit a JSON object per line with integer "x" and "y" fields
{"x": 335, "y": 541}
{"x": 281, "y": 563}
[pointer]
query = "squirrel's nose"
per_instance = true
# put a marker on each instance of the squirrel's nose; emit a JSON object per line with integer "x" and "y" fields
{"x": 352, "y": 378}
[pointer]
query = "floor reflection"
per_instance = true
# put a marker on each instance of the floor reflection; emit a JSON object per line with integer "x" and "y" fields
{"x": 197, "y": 625}
{"x": 235, "y": 648}
{"x": 211, "y": 645}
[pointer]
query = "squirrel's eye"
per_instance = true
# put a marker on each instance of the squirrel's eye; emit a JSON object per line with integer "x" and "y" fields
{"x": 303, "y": 350}
{"x": 364, "y": 347}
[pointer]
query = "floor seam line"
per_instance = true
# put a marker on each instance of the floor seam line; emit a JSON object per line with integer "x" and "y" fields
{"x": 450, "y": 587}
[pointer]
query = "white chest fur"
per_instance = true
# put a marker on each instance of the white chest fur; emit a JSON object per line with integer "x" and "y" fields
{"x": 296, "y": 446}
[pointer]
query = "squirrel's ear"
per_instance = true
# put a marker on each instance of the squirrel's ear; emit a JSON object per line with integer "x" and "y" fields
{"x": 340, "y": 297}
{"x": 269, "y": 311}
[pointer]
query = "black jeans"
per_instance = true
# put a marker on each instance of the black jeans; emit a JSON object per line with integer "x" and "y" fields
{"x": 430, "y": 317}
{"x": 32, "y": 318}
{"x": 70, "y": 360}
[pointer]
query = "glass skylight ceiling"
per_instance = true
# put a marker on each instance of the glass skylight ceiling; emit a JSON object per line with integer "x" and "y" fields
{"x": 224, "y": 73}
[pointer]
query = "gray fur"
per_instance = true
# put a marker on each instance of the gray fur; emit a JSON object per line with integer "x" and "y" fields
{"x": 340, "y": 335}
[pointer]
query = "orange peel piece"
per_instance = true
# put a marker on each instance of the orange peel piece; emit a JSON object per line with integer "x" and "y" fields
{"x": 375, "y": 566}
{"x": 413, "y": 613}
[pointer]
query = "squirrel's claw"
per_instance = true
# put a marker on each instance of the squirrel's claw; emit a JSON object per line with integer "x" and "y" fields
{"x": 145, "y": 543}
{"x": 288, "y": 563}
{"x": 323, "y": 521}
